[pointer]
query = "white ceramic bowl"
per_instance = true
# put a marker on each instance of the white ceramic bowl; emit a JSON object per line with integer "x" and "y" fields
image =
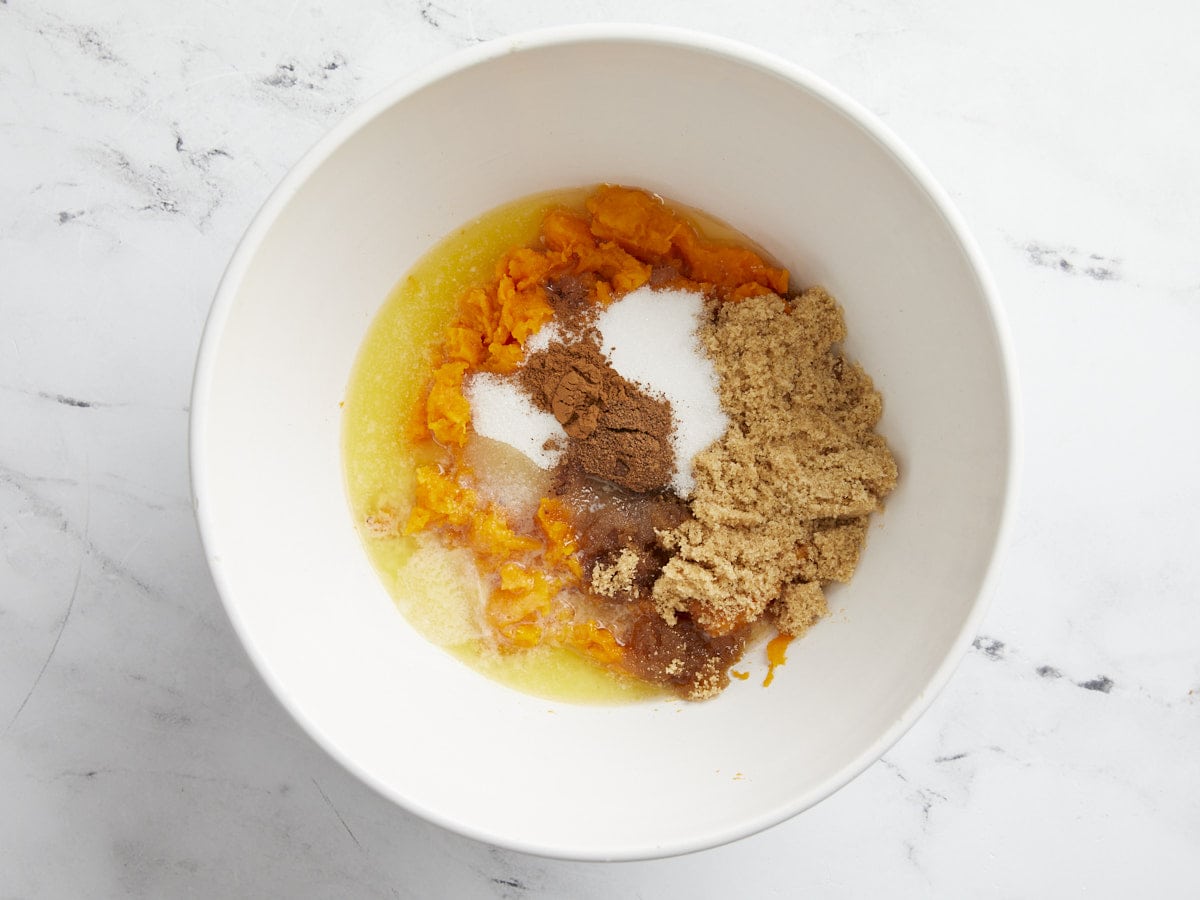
{"x": 719, "y": 126}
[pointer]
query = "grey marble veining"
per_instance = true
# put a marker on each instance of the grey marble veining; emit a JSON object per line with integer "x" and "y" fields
{"x": 141, "y": 756}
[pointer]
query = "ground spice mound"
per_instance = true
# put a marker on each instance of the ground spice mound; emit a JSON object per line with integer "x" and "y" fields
{"x": 783, "y": 497}
{"x": 616, "y": 431}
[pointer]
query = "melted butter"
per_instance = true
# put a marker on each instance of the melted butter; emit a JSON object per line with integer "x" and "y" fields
{"x": 438, "y": 589}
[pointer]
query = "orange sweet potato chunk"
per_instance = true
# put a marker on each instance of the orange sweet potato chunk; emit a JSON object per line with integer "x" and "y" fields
{"x": 525, "y": 312}
{"x": 613, "y": 264}
{"x": 446, "y": 409}
{"x": 526, "y": 267}
{"x": 439, "y": 500}
{"x": 602, "y": 292}
{"x": 643, "y": 226}
{"x": 504, "y": 358}
{"x": 493, "y": 538}
{"x": 728, "y": 267}
{"x": 463, "y": 344}
{"x": 635, "y": 220}
{"x": 512, "y": 313}
{"x": 522, "y": 600}
{"x": 554, "y": 520}
{"x": 563, "y": 230}
{"x": 594, "y": 641}
{"x": 479, "y": 312}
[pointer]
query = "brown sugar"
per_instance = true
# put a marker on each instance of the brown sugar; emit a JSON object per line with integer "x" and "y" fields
{"x": 783, "y": 496}
{"x": 800, "y": 606}
{"x": 618, "y": 578}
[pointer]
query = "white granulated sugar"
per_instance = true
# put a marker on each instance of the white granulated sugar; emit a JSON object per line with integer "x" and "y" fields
{"x": 650, "y": 337}
{"x": 542, "y": 339}
{"x": 500, "y": 410}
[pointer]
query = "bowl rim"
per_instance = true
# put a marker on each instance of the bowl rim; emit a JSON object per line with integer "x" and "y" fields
{"x": 469, "y": 57}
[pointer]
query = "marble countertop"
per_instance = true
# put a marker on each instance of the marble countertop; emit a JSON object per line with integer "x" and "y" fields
{"x": 140, "y": 754}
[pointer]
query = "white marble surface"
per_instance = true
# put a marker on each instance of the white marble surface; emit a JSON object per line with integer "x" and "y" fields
{"x": 141, "y": 756}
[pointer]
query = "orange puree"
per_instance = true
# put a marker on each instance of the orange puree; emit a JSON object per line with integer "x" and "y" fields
{"x": 776, "y": 655}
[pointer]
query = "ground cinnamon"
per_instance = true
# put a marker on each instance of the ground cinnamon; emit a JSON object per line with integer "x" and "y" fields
{"x": 615, "y": 430}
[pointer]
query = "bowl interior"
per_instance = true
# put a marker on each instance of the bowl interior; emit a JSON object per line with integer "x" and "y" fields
{"x": 722, "y": 130}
